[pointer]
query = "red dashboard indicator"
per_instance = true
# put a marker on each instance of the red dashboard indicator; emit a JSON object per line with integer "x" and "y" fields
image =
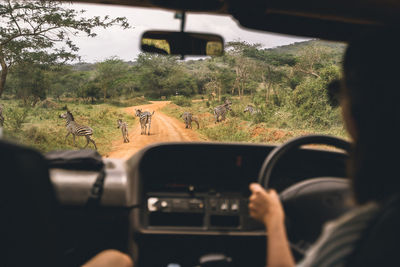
{"x": 239, "y": 160}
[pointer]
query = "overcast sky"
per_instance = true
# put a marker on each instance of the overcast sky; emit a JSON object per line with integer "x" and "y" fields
{"x": 125, "y": 43}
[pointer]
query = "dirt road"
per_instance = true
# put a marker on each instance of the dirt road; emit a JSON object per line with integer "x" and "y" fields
{"x": 163, "y": 129}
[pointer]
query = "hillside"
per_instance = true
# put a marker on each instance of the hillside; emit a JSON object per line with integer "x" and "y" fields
{"x": 295, "y": 48}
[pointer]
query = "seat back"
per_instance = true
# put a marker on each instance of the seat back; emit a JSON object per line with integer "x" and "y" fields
{"x": 380, "y": 243}
{"x": 27, "y": 205}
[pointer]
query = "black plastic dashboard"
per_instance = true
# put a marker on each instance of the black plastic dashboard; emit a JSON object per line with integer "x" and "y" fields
{"x": 202, "y": 188}
{"x": 180, "y": 201}
{"x": 194, "y": 188}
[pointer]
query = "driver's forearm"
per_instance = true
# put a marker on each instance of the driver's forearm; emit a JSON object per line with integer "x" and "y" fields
{"x": 278, "y": 249}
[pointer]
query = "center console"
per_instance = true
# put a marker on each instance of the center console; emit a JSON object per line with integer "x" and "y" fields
{"x": 198, "y": 211}
{"x": 192, "y": 192}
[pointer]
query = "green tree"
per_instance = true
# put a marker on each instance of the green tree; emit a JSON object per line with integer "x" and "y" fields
{"x": 42, "y": 31}
{"x": 90, "y": 91}
{"x": 111, "y": 74}
{"x": 244, "y": 67}
{"x": 310, "y": 101}
{"x": 312, "y": 59}
{"x": 29, "y": 83}
{"x": 159, "y": 76}
{"x": 58, "y": 83}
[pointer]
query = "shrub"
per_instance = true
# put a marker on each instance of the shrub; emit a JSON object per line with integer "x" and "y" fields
{"x": 47, "y": 104}
{"x": 182, "y": 101}
{"x": 129, "y": 102}
{"x": 16, "y": 117}
{"x": 36, "y": 135}
{"x": 310, "y": 105}
{"x": 231, "y": 131}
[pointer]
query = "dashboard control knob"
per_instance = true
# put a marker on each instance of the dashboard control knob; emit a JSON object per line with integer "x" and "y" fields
{"x": 234, "y": 207}
{"x": 152, "y": 204}
{"x": 164, "y": 204}
{"x": 224, "y": 206}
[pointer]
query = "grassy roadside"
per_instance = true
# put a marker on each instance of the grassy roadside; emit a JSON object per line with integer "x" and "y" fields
{"x": 40, "y": 127}
{"x": 239, "y": 127}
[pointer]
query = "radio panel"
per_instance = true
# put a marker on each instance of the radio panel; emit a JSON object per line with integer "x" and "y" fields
{"x": 165, "y": 204}
{"x": 201, "y": 211}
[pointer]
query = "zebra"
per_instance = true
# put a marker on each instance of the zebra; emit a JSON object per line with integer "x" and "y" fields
{"x": 145, "y": 120}
{"x": 188, "y": 118}
{"x": 76, "y": 129}
{"x": 124, "y": 130}
{"x": 251, "y": 110}
{"x": 221, "y": 110}
{"x": 1, "y": 116}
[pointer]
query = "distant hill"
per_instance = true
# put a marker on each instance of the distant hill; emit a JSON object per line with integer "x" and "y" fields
{"x": 83, "y": 66}
{"x": 336, "y": 49}
{"x": 295, "y": 48}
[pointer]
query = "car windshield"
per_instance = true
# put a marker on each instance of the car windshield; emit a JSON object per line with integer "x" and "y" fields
{"x": 72, "y": 76}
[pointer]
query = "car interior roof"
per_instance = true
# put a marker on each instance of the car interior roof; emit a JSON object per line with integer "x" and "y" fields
{"x": 336, "y": 20}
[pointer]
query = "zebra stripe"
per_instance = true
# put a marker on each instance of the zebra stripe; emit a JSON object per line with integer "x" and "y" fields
{"x": 251, "y": 110}
{"x": 188, "y": 118}
{"x": 221, "y": 110}
{"x": 76, "y": 129}
{"x": 124, "y": 130}
{"x": 145, "y": 120}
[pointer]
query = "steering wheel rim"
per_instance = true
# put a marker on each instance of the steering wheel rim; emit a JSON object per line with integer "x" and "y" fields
{"x": 276, "y": 154}
{"x": 299, "y": 196}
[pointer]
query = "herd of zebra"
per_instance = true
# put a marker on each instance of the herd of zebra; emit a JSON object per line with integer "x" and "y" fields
{"x": 219, "y": 113}
{"x": 221, "y": 110}
{"x": 145, "y": 122}
{"x": 82, "y": 130}
{"x": 76, "y": 129}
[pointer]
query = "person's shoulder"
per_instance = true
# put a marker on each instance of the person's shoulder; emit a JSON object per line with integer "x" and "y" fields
{"x": 356, "y": 215}
{"x": 339, "y": 237}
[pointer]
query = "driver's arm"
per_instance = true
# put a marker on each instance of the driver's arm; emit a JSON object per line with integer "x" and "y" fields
{"x": 266, "y": 207}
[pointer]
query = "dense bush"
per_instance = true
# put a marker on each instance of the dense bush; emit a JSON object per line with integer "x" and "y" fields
{"x": 182, "y": 101}
{"x": 129, "y": 102}
{"x": 15, "y": 117}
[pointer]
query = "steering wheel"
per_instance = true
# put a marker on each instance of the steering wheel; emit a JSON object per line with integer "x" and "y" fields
{"x": 312, "y": 202}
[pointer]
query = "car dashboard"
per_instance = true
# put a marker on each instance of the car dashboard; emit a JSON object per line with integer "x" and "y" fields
{"x": 183, "y": 200}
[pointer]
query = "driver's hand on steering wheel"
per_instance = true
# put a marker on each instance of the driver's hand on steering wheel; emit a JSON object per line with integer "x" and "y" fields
{"x": 265, "y": 206}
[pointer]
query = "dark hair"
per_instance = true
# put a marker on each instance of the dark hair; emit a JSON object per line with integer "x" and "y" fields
{"x": 371, "y": 82}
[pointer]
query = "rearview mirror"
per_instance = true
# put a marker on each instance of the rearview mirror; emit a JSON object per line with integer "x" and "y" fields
{"x": 182, "y": 43}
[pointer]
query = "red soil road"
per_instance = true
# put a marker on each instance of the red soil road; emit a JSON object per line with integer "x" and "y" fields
{"x": 163, "y": 129}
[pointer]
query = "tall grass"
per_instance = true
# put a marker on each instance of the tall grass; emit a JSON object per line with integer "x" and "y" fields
{"x": 273, "y": 124}
{"x": 41, "y": 127}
